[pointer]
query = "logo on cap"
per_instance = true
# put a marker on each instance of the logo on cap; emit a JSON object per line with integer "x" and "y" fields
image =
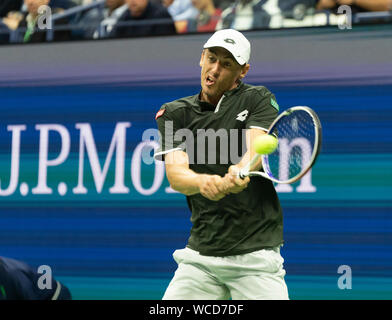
{"x": 229, "y": 41}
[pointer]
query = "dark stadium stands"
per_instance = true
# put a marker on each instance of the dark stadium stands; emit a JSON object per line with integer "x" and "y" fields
{"x": 96, "y": 19}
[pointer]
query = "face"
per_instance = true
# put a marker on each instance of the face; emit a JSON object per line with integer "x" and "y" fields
{"x": 137, "y": 7}
{"x": 33, "y": 5}
{"x": 219, "y": 73}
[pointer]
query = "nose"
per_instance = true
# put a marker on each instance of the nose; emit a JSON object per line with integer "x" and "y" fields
{"x": 215, "y": 69}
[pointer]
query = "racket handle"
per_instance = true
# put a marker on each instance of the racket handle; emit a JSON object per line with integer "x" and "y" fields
{"x": 245, "y": 170}
{"x": 241, "y": 175}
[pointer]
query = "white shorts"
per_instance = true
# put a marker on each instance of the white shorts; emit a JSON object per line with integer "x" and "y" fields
{"x": 252, "y": 276}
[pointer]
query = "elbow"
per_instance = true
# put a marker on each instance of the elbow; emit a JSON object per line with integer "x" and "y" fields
{"x": 180, "y": 188}
{"x": 176, "y": 186}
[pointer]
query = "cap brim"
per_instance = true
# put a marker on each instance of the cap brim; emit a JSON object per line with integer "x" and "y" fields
{"x": 229, "y": 48}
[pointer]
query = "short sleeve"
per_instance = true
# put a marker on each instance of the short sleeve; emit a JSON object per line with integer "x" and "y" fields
{"x": 264, "y": 113}
{"x": 168, "y": 124}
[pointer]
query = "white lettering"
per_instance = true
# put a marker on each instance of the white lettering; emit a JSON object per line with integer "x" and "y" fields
{"x": 118, "y": 142}
{"x": 136, "y": 169}
{"x": 43, "y": 162}
{"x": 15, "y": 157}
{"x": 285, "y": 150}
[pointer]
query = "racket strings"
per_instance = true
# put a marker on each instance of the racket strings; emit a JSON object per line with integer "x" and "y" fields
{"x": 297, "y": 135}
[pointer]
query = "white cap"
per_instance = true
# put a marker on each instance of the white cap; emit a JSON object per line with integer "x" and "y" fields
{"x": 233, "y": 41}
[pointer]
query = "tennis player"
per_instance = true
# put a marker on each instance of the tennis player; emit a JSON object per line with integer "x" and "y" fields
{"x": 234, "y": 246}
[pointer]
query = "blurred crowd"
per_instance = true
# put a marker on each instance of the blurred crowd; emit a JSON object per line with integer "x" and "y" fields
{"x": 94, "y": 19}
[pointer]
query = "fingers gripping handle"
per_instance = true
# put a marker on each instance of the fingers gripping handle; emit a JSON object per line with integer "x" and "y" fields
{"x": 244, "y": 172}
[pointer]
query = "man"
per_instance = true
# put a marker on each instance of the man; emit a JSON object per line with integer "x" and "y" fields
{"x": 207, "y": 18}
{"x": 18, "y": 281}
{"x": 234, "y": 244}
{"x": 246, "y": 15}
{"x": 140, "y": 16}
{"x": 180, "y": 9}
{"x": 27, "y": 23}
{"x": 97, "y": 23}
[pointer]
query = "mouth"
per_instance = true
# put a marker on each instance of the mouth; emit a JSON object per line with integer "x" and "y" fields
{"x": 210, "y": 81}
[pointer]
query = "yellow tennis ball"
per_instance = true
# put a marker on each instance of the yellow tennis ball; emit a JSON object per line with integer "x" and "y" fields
{"x": 265, "y": 144}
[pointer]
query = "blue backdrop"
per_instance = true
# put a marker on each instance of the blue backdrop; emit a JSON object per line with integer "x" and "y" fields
{"x": 108, "y": 243}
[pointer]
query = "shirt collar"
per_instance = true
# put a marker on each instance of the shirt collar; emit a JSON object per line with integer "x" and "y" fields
{"x": 206, "y": 106}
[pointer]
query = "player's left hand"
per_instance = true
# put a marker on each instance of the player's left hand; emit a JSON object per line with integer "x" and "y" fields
{"x": 232, "y": 182}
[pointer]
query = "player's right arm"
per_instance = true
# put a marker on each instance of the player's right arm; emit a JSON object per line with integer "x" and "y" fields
{"x": 172, "y": 151}
{"x": 185, "y": 180}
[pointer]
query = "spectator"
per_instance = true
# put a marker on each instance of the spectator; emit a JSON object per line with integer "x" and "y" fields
{"x": 357, "y": 5}
{"x": 12, "y": 20}
{"x": 98, "y": 23}
{"x": 18, "y": 281}
{"x": 140, "y": 11}
{"x": 207, "y": 17}
{"x": 27, "y": 23}
{"x": 245, "y": 15}
{"x": 181, "y": 10}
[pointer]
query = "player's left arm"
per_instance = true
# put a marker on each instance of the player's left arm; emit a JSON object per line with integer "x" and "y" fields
{"x": 232, "y": 183}
{"x": 261, "y": 117}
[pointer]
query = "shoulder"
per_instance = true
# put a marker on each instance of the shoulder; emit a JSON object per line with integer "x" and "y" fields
{"x": 181, "y": 104}
{"x": 260, "y": 96}
{"x": 259, "y": 91}
{"x": 12, "y": 266}
{"x": 175, "y": 110}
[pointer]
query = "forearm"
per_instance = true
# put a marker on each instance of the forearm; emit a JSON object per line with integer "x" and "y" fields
{"x": 183, "y": 180}
{"x": 246, "y": 160}
{"x": 374, "y": 5}
{"x": 370, "y": 5}
{"x": 251, "y": 134}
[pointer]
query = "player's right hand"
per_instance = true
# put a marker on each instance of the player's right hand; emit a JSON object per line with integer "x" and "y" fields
{"x": 209, "y": 186}
{"x": 232, "y": 182}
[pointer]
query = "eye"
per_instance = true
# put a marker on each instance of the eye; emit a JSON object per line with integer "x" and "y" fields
{"x": 227, "y": 64}
{"x": 211, "y": 58}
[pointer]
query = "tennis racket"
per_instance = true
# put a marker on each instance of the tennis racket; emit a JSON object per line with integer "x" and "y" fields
{"x": 298, "y": 130}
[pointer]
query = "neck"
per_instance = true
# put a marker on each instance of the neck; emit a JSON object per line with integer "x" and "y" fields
{"x": 215, "y": 100}
{"x": 212, "y": 100}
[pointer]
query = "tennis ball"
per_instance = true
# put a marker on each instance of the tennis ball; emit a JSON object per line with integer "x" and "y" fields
{"x": 265, "y": 144}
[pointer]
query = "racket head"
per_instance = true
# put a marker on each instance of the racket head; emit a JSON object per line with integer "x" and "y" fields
{"x": 298, "y": 130}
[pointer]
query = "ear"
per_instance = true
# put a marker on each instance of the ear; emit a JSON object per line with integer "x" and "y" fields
{"x": 244, "y": 70}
